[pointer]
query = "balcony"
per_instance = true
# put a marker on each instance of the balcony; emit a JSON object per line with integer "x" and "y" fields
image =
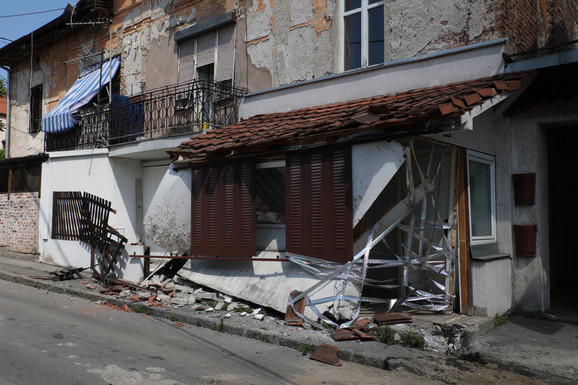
{"x": 181, "y": 109}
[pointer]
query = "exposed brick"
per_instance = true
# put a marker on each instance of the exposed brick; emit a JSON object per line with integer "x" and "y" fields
{"x": 19, "y": 222}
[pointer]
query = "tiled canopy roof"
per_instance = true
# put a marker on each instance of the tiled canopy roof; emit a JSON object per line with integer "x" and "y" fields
{"x": 408, "y": 113}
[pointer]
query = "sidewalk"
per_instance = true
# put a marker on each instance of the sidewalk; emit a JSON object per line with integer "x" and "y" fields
{"x": 541, "y": 349}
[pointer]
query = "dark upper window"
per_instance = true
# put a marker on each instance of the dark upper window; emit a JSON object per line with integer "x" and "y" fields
{"x": 35, "y": 108}
{"x": 363, "y": 33}
{"x": 270, "y": 190}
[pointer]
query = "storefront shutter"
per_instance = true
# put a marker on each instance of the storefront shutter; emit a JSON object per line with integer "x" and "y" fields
{"x": 223, "y": 210}
{"x": 319, "y": 204}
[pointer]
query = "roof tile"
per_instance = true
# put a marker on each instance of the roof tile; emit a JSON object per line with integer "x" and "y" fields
{"x": 388, "y": 113}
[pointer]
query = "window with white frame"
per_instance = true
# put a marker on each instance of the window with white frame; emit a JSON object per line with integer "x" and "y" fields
{"x": 481, "y": 191}
{"x": 209, "y": 56}
{"x": 363, "y": 33}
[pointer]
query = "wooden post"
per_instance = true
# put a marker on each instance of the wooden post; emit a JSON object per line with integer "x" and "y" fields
{"x": 464, "y": 234}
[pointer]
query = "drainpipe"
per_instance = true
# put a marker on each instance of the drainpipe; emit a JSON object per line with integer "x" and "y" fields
{"x": 7, "y": 69}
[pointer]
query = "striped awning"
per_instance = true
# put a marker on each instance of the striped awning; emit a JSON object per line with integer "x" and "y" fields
{"x": 61, "y": 118}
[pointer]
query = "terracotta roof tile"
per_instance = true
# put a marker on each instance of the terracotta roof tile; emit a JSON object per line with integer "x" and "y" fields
{"x": 388, "y": 113}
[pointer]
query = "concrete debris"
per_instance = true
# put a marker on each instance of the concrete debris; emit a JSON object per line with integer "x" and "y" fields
{"x": 179, "y": 301}
{"x": 227, "y": 299}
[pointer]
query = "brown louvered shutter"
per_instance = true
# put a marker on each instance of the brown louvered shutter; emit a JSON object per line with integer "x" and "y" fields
{"x": 186, "y": 60}
{"x": 35, "y": 109}
{"x": 223, "y": 210}
{"x": 319, "y": 208}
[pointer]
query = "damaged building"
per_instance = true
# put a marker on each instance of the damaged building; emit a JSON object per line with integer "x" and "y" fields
{"x": 399, "y": 154}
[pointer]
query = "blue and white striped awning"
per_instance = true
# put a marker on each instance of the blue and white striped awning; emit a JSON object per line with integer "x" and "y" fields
{"x": 61, "y": 119}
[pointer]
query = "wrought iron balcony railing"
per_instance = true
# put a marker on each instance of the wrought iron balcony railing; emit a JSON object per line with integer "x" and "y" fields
{"x": 168, "y": 111}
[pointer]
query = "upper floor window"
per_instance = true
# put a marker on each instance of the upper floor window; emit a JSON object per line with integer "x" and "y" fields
{"x": 481, "y": 189}
{"x": 35, "y": 108}
{"x": 363, "y": 33}
{"x": 214, "y": 50}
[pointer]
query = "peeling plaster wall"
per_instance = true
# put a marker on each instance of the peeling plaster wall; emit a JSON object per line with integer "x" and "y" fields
{"x": 417, "y": 27}
{"x": 167, "y": 206}
{"x": 144, "y": 36}
{"x": 55, "y": 77}
{"x": 288, "y": 41}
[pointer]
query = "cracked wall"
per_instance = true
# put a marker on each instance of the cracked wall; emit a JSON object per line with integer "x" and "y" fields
{"x": 286, "y": 41}
{"x": 417, "y": 27}
{"x": 143, "y": 33}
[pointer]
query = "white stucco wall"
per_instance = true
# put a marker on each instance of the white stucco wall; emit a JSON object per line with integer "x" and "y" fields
{"x": 530, "y": 154}
{"x": 167, "y": 208}
{"x": 491, "y": 286}
{"x": 92, "y": 172}
{"x": 427, "y": 71}
{"x": 373, "y": 167}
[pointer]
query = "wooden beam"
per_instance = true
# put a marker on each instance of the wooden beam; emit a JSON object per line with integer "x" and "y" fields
{"x": 464, "y": 234}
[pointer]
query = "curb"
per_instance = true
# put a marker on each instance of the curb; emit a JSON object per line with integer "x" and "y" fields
{"x": 381, "y": 360}
{"x": 386, "y": 357}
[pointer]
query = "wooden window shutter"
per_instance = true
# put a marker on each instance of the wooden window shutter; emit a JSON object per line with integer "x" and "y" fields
{"x": 225, "y": 53}
{"x": 35, "y": 108}
{"x": 319, "y": 204}
{"x": 186, "y": 60}
{"x": 206, "y": 49}
{"x": 223, "y": 210}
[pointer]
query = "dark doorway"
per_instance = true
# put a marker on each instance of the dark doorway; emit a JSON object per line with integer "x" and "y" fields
{"x": 563, "y": 197}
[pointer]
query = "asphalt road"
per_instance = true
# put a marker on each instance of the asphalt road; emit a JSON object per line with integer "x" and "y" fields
{"x": 48, "y": 338}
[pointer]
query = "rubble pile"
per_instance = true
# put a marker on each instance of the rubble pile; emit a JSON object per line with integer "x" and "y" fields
{"x": 159, "y": 290}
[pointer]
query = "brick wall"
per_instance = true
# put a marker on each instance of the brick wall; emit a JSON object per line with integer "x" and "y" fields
{"x": 532, "y": 24}
{"x": 19, "y": 222}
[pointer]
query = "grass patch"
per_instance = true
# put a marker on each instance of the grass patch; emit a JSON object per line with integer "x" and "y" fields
{"x": 173, "y": 317}
{"x": 217, "y": 328}
{"x": 241, "y": 308}
{"x": 500, "y": 319}
{"x": 211, "y": 303}
{"x": 141, "y": 309}
{"x": 385, "y": 334}
{"x": 412, "y": 339}
{"x": 303, "y": 349}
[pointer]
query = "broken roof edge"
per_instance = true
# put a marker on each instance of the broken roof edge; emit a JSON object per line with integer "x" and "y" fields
{"x": 411, "y": 113}
{"x": 65, "y": 17}
{"x": 358, "y": 135}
